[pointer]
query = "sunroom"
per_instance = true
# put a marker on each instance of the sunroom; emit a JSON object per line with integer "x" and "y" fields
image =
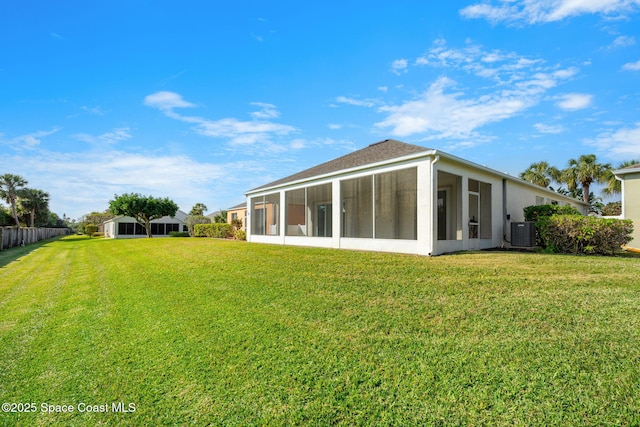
{"x": 394, "y": 197}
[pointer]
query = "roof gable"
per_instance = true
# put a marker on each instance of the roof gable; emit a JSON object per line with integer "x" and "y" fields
{"x": 378, "y": 152}
{"x": 628, "y": 169}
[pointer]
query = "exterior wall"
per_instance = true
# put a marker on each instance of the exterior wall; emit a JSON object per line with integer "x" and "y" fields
{"x": 491, "y": 208}
{"x": 521, "y": 195}
{"x": 240, "y": 213}
{"x": 631, "y": 205}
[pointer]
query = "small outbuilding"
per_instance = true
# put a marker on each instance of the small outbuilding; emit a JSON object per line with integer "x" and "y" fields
{"x": 394, "y": 197}
{"x": 126, "y": 227}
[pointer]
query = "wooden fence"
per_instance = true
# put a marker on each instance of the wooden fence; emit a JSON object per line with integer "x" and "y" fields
{"x": 10, "y": 237}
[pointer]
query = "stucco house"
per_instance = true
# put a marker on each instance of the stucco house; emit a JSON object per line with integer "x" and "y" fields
{"x": 238, "y": 212}
{"x": 394, "y": 197}
{"x": 630, "y": 178}
{"x": 125, "y": 227}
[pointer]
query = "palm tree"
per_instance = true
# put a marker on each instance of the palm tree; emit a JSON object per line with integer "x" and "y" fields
{"x": 584, "y": 171}
{"x": 34, "y": 200}
{"x": 614, "y": 186}
{"x": 198, "y": 209}
{"x": 10, "y": 187}
{"x": 541, "y": 174}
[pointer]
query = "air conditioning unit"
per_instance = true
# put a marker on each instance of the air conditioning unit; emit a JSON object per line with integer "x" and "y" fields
{"x": 523, "y": 234}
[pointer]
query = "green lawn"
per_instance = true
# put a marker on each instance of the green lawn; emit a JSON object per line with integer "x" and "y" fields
{"x": 210, "y": 332}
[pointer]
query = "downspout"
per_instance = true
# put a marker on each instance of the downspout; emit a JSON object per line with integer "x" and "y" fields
{"x": 622, "y": 210}
{"x": 434, "y": 210}
{"x": 504, "y": 211}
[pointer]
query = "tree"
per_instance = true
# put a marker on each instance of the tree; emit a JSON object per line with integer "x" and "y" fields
{"x": 192, "y": 220}
{"x": 541, "y": 174}
{"x": 220, "y": 217}
{"x": 613, "y": 185}
{"x": 33, "y": 200}
{"x": 583, "y": 172}
{"x": 143, "y": 209}
{"x": 90, "y": 229}
{"x": 94, "y": 218}
{"x": 5, "y": 216}
{"x": 198, "y": 209}
{"x": 10, "y": 187}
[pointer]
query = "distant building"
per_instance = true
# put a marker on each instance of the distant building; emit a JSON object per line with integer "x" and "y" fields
{"x": 394, "y": 197}
{"x": 125, "y": 227}
{"x": 238, "y": 211}
{"x": 630, "y": 178}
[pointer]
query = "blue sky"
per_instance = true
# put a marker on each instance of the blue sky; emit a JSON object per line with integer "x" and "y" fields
{"x": 201, "y": 101}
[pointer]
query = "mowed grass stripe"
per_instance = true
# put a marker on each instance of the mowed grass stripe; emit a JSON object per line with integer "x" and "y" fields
{"x": 199, "y": 331}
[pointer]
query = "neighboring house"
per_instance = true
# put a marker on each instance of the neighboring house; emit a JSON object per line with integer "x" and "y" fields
{"x": 238, "y": 211}
{"x": 630, "y": 178}
{"x": 394, "y": 197}
{"x": 125, "y": 227}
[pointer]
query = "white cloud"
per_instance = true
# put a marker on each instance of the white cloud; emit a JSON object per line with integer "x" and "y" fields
{"x": 448, "y": 115}
{"x": 631, "y": 66}
{"x": 574, "y": 101}
{"x": 237, "y": 131}
{"x": 82, "y": 182}
{"x": 399, "y": 65}
{"x": 268, "y": 111}
{"x": 117, "y": 134}
{"x": 623, "y": 41}
{"x": 622, "y": 144}
{"x": 166, "y": 101}
{"x": 447, "y": 110}
{"x": 29, "y": 141}
{"x": 357, "y": 102}
{"x": 97, "y": 111}
{"x": 544, "y": 11}
{"x": 550, "y": 129}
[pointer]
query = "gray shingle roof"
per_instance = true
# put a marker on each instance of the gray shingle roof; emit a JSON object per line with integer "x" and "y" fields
{"x": 378, "y": 152}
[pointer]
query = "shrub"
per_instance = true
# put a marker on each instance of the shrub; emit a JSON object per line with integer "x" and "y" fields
{"x": 583, "y": 234}
{"x": 179, "y": 234}
{"x": 533, "y": 213}
{"x": 240, "y": 235}
{"x": 540, "y": 214}
{"x": 219, "y": 230}
{"x": 612, "y": 209}
{"x": 90, "y": 229}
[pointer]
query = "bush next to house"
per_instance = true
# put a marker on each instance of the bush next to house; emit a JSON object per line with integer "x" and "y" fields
{"x": 219, "y": 230}
{"x": 240, "y": 235}
{"x": 584, "y": 234}
{"x": 533, "y": 213}
{"x": 563, "y": 229}
{"x": 179, "y": 234}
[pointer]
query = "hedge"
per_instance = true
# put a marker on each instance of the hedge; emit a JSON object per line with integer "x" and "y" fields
{"x": 219, "y": 230}
{"x": 579, "y": 234}
{"x": 533, "y": 213}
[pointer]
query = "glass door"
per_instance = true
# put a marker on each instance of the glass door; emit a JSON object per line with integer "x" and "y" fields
{"x": 323, "y": 220}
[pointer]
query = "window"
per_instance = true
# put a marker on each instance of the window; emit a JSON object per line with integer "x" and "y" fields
{"x": 449, "y": 206}
{"x": 264, "y": 214}
{"x": 396, "y": 208}
{"x": 295, "y": 201}
{"x": 357, "y": 207}
{"x": 309, "y": 211}
{"x": 480, "y": 222}
{"x": 393, "y": 215}
{"x": 320, "y": 210}
{"x": 158, "y": 229}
